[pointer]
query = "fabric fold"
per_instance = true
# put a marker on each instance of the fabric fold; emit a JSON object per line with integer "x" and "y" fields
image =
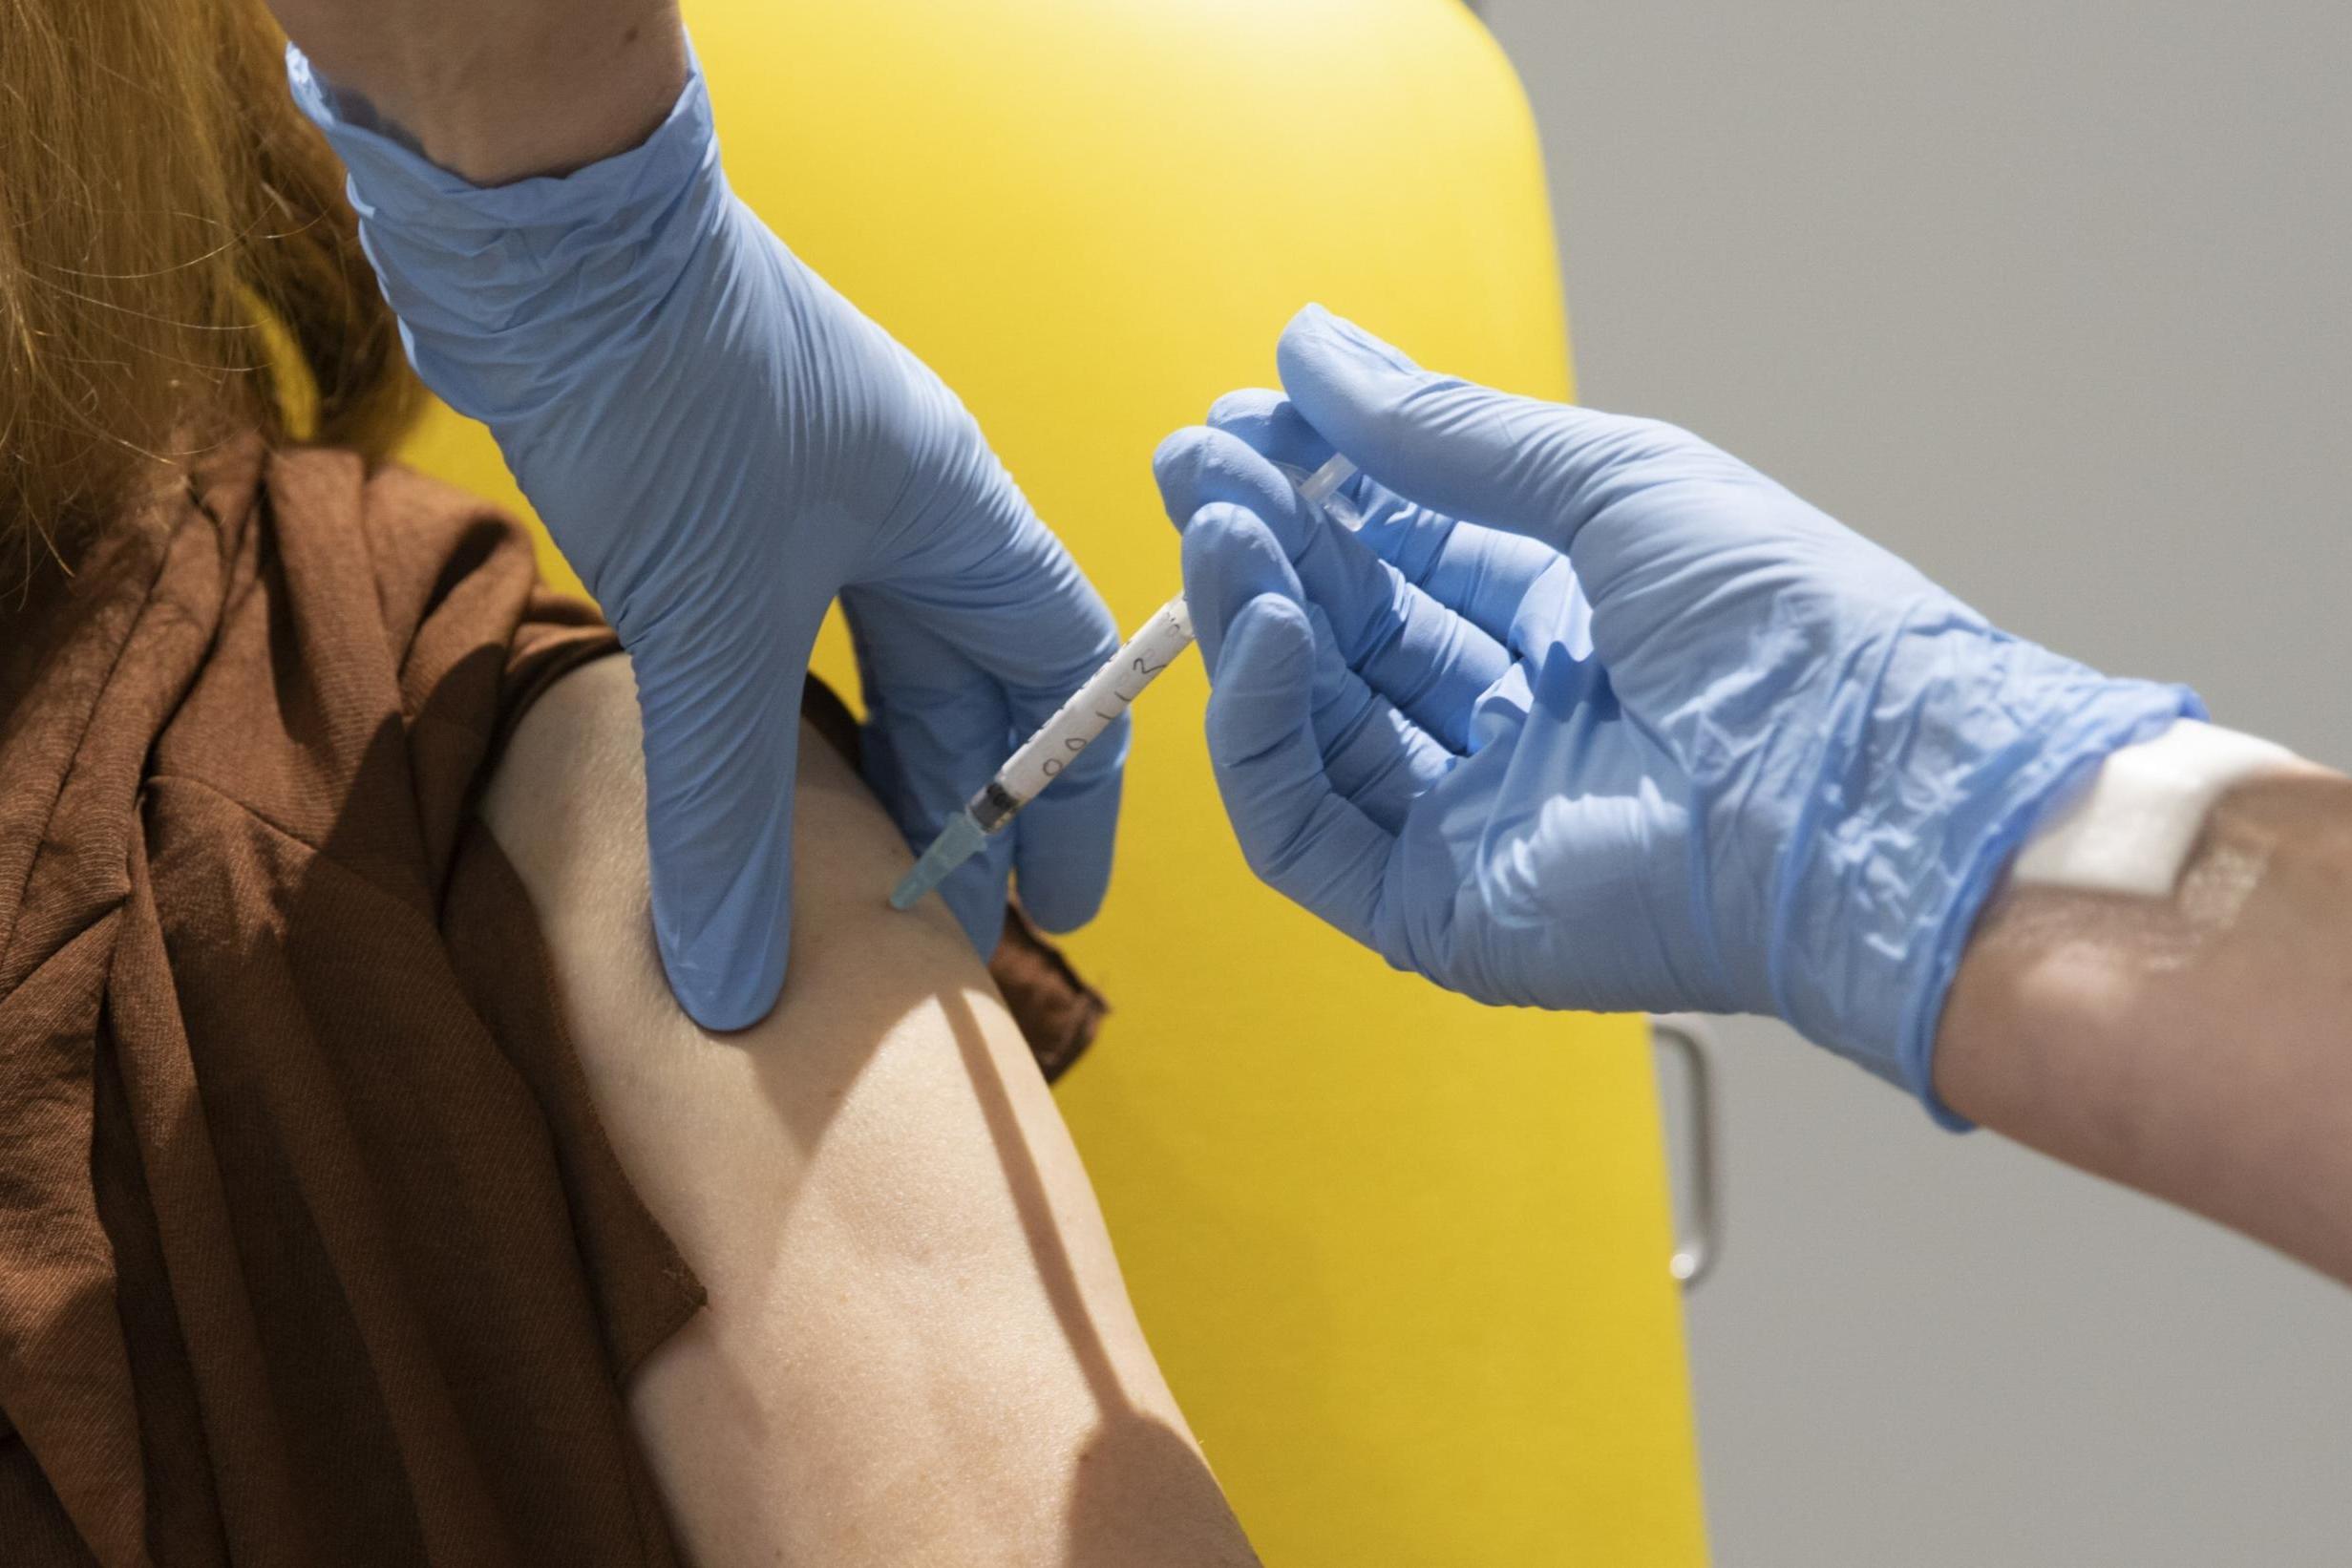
{"x": 312, "y": 1247}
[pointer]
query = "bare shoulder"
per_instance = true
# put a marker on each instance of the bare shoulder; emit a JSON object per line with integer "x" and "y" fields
{"x": 918, "y": 1347}
{"x": 567, "y": 805}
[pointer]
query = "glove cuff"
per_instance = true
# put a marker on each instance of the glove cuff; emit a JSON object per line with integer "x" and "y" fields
{"x": 519, "y": 303}
{"x": 2117, "y": 715}
{"x": 1937, "y": 767}
{"x": 544, "y": 260}
{"x": 389, "y": 174}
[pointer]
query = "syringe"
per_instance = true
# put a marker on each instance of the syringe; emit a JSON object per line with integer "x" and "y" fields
{"x": 1092, "y": 709}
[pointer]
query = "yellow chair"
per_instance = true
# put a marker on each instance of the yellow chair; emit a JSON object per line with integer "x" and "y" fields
{"x": 1403, "y": 1258}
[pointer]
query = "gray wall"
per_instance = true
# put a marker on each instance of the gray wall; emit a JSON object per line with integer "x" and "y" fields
{"x": 2052, "y": 297}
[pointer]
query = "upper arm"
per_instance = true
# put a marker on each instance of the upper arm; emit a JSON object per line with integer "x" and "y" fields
{"x": 918, "y": 1347}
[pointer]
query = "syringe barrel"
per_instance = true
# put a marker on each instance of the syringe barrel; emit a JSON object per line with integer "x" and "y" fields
{"x": 1092, "y": 709}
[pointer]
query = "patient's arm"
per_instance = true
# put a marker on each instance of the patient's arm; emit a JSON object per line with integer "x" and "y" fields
{"x": 918, "y": 1348}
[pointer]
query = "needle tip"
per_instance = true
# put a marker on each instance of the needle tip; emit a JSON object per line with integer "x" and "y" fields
{"x": 958, "y": 842}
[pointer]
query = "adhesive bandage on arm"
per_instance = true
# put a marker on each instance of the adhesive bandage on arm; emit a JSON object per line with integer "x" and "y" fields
{"x": 2132, "y": 829}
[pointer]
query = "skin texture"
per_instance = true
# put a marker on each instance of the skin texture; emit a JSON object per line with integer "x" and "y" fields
{"x": 2199, "y": 1048}
{"x": 500, "y": 89}
{"x": 918, "y": 1348}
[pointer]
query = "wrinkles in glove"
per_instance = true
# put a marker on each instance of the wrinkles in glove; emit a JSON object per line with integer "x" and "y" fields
{"x": 1589, "y": 714}
{"x": 722, "y": 445}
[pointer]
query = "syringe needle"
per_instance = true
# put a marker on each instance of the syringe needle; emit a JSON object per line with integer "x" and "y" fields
{"x": 1092, "y": 709}
{"x": 1046, "y": 755}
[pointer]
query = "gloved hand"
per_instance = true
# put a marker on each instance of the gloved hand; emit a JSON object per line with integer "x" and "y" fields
{"x": 1771, "y": 768}
{"x": 721, "y": 444}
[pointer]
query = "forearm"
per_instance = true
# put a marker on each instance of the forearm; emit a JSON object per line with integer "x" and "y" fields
{"x": 500, "y": 89}
{"x": 2199, "y": 1048}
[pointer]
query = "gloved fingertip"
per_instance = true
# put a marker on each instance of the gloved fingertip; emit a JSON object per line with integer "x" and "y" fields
{"x": 1176, "y": 468}
{"x": 1271, "y": 646}
{"x": 727, "y": 980}
{"x": 721, "y": 892}
{"x": 1311, "y": 318}
{"x": 1263, "y": 686}
{"x": 1271, "y": 425}
{"x": 1060, "y": 902}
{"x": 1454, "y": 446}
{"x": 1314, "y": 328}
{"x": 1275, "y": 635}
{"x": 975, "y": 894}
{"x": 1174, "y": 448}
{"x": 1058, "y": 916}
{"x": 1246, "y": 406}
{"x": 1063, "y": 860}
{"x": 1347, "y": 384}
{"x": 1230, "y": 557}
{"x": 1203, "y": 467}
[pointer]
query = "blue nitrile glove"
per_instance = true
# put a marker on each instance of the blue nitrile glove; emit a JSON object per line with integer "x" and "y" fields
{"x": 721, "y": 444}
{"x": 1770, "y": 769}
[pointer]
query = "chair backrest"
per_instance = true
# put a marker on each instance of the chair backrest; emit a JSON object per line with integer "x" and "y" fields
{"x": 1403, "y": 1258}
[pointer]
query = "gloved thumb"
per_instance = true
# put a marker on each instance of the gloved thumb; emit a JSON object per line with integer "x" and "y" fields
{"x": 1451, "y": 445}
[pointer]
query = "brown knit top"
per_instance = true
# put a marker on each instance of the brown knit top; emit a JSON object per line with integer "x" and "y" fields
{"x": 312, "y": 1250}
